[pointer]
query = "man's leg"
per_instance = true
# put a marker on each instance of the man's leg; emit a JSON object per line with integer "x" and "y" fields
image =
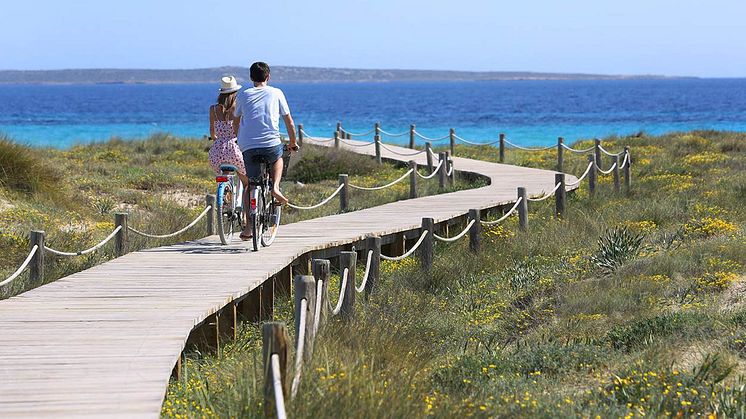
{"x": 276, "y": 177}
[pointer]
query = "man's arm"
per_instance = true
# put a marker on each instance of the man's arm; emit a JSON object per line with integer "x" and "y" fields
{"x": 290, "y": 125}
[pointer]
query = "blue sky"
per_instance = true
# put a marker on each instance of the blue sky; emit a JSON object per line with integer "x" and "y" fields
{"x": 684, "y": 37}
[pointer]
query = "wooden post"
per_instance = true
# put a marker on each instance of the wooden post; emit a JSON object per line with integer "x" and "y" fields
{"x": 413, "y": 179}
{"x": 627, "y": 170}
{"x": 442, "y": 172}
{"x": 560, "y": 196}
{"x": 597, "y": 152}
{"x": 305, "y": 288}
{"x": 429, "y": 156}
{"x": 300, "y": 134}
{"x": 373, "y": 243}
{"x": 377, "y": 140}
{"x": 377, "y": 128}
{"x": 615, "y": 173}
{"x": 344, "y": 202}
{"x": 120, "y": 240}
{"x": 336, "y": 139}
{"x": 560, "y": 154}
{"x": 348, "y": 135}
{"x": 475, "y": 238}
{"x": 426, "y": 248}
{"x": 348, "y": 260}
{"x": 523, "y": 209}
{"x": 339, "y": 128}
{"x": 592, "y": 176}
{"x": 411, "y": 136}
{"x": 452, "y": 176}
{"x": 321, "y": 269}
{"x": 36, "y": 267}
{"x": 502, "y": 148}
{"x": 275, "y": 340}
{"x": 452, "y": 138}
{"x": 210, "y": 202}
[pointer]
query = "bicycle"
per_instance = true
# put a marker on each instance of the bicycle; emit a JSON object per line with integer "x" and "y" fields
{"x": 229, "y": 199}
{"x": 265, "y": 212}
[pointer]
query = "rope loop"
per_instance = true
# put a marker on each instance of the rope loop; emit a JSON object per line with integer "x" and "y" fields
{"x": 528, "y": 148}
{"x": 23, "y": 266}
{"x": 546, "y": 195}
{"x": 409, "y": 253}
{"x": 175, "y": 233}
{"x": 86, "y": 251}
{"x": 378, "y": 188}
{"x": 298, "y": 207}
{"x": 504, "y": 217}
{"x": 433, "y": 174}
{"x": 458, "y": 236}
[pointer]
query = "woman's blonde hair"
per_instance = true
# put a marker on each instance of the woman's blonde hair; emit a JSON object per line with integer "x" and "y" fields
{"x": 228, "y": 102}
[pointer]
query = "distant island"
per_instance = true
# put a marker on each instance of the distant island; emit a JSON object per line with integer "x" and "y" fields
{"x": 284, "y": 74}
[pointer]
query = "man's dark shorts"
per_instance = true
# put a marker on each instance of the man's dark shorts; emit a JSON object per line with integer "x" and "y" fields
{"x": 253, "y": 156}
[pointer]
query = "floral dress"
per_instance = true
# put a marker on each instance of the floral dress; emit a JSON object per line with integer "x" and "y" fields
{"x": 224, "y": 148}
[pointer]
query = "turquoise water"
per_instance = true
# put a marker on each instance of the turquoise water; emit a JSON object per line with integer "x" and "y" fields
{"x": 529, "y": 112}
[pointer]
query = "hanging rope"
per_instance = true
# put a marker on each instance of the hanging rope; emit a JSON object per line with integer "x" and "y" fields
{"x": 402, "y": 154}
{"x": 22, "y": 267}
{"x": 606, "y": 172}
{"x": 356, "y": 144}
{"x": 298, "y": 207}
{"x": 352, "y": 134}
{"x": 433, "y": 174}
{"x": 409, "y": 253}
{"x": 603, "y": 150}
{"x": 504, "y": 217}
{"x": 378, "y": 188}
{"x": 317, "y": 309}
{"x": 587, "y": 170}
{"x": 458, "y": 236}
{"x": 625, "y": 161}
{"x": 176, "y": 233}
{"x": 474, "y": 143}
{"x": 307, "y": 135}
{"x": 277, "y": 387}
{"x": 341, "y": 298}
{"x": 529, "y": 148}
{"x": 574, "y": 150}
{"x": 301, "y": 344}
{"x": 546, "y": 195}
{"x": 367, "y": 272}
{"x": 86, "y": 251}
{"x": 432, "y": 139}
{"x": 393, "y": 135}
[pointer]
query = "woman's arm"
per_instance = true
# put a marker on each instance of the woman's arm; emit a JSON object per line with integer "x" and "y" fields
{"x": 236, "y": 124}
{"x": 212, "y": 123}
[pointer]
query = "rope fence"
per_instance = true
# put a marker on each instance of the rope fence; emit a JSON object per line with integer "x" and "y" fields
{"x": 23, "y": 266}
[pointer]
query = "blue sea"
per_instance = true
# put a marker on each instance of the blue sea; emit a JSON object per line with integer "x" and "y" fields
{"x": 529, "y": 112}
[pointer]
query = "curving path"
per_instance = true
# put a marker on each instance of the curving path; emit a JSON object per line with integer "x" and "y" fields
{"x": 103, "y": 342}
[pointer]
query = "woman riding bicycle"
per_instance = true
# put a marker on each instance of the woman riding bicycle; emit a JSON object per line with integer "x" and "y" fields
{"x": 223, "y": 129}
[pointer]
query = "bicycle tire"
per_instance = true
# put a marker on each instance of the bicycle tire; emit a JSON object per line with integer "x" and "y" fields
{"x": 225, "y": 212}
{"x": 273, "y": 224}
{"x": 256, "y": 223}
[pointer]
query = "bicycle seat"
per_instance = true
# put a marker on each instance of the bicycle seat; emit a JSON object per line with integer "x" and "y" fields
{"x": 228, "y": 168}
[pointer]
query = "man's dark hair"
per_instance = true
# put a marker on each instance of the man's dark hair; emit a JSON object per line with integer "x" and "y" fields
{"x": 259, "y": 72}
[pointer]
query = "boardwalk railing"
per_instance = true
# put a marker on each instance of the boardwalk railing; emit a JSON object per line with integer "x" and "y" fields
{"x": 444, "y": 171}
{"x": 306, "y": 318}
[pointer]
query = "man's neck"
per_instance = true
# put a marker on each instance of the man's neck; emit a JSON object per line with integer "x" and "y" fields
{"x": 262, "y": 84}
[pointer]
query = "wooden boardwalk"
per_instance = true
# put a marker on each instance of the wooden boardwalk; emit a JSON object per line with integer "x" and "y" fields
{"x": 103, "y": 342}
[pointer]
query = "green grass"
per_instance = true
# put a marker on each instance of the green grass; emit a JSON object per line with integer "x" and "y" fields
{"x": 534, "y": 326}
{"x": 161, "y": 181}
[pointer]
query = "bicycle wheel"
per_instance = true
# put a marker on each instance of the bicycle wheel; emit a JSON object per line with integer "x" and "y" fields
{"x": 274, "y": 212}
{"x": 225, "y": 212}
{"x": 257, "y": 221}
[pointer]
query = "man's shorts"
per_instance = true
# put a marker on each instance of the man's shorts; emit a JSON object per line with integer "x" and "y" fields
{"x": 254, "y": 156}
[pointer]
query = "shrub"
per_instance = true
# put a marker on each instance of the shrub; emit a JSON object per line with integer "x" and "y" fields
{"x": 321, "y": 163}
{"x": 644, "y": 330}
{"x": 615, "y": 248}
{"x": 23, "y": 171}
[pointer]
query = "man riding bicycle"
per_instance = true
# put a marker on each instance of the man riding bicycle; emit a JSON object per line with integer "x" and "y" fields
{"x": 259, "y": 109}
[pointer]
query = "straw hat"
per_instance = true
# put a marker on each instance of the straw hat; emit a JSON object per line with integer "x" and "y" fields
{"x": 228, "y": 84}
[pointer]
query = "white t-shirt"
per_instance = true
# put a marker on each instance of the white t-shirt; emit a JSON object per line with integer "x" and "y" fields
{"x": 260, "y": 109}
